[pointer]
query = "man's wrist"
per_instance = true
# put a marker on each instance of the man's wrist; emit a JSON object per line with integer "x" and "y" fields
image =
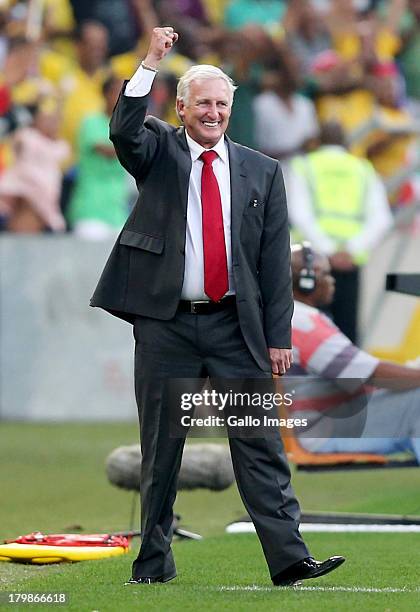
{"x": 149, "y": 64}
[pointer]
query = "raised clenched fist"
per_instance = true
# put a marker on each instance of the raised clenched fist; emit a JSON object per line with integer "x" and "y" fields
{"x": 161, "y": 42}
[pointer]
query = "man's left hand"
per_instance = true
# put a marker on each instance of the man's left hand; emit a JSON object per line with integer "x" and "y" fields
{"x": 281, "y": 360}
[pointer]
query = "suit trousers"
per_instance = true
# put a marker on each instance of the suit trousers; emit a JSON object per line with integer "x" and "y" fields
{"x": 174, "y": 357}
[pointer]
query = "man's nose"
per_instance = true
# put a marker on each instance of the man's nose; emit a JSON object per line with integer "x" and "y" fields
{"x": 212, "y": 111}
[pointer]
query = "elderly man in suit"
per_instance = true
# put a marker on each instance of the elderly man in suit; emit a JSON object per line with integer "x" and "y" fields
{"x": 202, "y": 270}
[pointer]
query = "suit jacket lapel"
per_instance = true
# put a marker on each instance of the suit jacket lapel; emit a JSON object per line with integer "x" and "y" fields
{"x": 238, "y": 185}
{"x": 183, "y": 167}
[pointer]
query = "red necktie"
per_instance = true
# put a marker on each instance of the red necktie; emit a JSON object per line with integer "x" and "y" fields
{"x": 215, "y": 262}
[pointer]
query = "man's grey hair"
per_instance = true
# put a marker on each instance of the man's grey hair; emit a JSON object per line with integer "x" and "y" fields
{"x": 202, "y": 72}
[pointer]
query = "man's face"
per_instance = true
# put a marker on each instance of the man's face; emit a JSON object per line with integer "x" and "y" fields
{"x": 206, "y": 112}
{"x": 325, "y": 283}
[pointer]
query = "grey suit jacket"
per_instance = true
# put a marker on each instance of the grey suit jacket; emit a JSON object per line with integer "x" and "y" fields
{"x": 144, "y": 273}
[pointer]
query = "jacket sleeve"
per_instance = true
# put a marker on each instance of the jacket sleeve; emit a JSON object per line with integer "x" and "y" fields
{"x": 275, "y": 277}
{"x": 135, "y": 139}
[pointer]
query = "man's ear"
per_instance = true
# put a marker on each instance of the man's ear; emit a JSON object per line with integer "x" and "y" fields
{"x": 180, "y": 108}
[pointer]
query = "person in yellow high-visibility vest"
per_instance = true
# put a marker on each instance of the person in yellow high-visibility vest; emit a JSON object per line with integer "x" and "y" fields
{"x": 339, "y": 204}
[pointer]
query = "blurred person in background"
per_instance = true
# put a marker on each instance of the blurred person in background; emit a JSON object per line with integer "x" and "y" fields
{"x": 189, "y": 14}
{"x": 363, "y": 32}
{"x": 243, "y": 54}
{"x": 392, "y": 143}
{"x": 82, "y": 85}
{"x": 338, "y": 203}
{"x": 199, "y": 25}
{"x": 99, "y": 204}
{"x": 21, "y": 73}
{"x": 267, "y": 13}
{"x": 409, "y": 53}
{"x": 12, "y": 114}
{"x": 30, "y": 187}
{"x": 360, "y": 40}
{"x": 285, "y": 121}
{"x": 121, "y": 21}
{"x": 3, "y": 35}
{"x": 57, "y": 24}
{"x": 307, "y": 36}
{"x": 385, "y": 414}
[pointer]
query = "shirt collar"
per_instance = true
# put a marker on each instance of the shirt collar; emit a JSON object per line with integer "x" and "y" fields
{"x": 196, "y": 150}
{"x": 334, "y": 147}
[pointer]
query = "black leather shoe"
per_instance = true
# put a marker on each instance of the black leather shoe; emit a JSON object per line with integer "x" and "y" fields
{"x": 148, "y": 580}
{"x": 307, "y": 568}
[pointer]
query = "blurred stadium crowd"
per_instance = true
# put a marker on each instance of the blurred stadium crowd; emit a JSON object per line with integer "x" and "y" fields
{"x": 298, "y": 64}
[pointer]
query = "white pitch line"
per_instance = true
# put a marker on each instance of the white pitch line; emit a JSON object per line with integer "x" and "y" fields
{"x": 247, "y": 527}
{"x": 322, "y": 589}
{"x": 350, "y": 528}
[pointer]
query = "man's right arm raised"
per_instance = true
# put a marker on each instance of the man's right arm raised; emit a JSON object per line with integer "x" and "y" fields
{"x": 135, "y": 143}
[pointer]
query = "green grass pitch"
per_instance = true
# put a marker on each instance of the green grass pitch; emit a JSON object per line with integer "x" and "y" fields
{"x": 52, "y": 479}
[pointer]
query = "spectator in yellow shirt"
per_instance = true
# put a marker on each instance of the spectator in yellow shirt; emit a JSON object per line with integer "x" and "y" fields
{"x": 82, "y": 87}
{"x": 392, "y": 143}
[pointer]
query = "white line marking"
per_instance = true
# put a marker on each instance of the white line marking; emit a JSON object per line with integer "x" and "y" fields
{"x": 255, "y": 587}
{"x": 349, "y": 528}
{"x": 248, "y": 527}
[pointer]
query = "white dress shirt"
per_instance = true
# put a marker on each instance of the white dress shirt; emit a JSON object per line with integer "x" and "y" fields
{"x": 280, "y": 128}
{"x": 193, "y": 285}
